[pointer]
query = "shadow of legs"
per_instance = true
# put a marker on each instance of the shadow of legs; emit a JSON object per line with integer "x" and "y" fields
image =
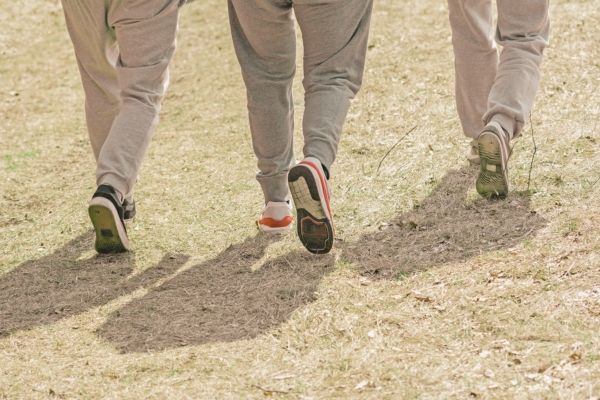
{"x": 220, "y": 300}
{"x": 444, "y": 228}
{"x": 60, "y": 285}
{"x": 224, "y": 299}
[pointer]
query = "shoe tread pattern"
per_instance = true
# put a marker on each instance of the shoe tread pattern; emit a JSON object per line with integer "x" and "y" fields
{"x": 107, "y": 235}
{"x": 314, "y": 228}
{"x": 492, "y": 180}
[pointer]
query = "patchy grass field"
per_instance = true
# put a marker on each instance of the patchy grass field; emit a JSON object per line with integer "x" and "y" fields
{"x": 430, "y": 293}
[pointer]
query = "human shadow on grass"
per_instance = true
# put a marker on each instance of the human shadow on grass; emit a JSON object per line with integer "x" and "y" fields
{"x": 444, "y": 228}
{"x": 234, "y": 296}
{"x": 60, "y": 285}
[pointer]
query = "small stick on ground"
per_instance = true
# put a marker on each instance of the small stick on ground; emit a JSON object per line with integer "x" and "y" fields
{"x": 534, "y": 152}
{"x": 265, "y": 390}
{"x": 597, "y": 180}
{"x": 394, "y": 146}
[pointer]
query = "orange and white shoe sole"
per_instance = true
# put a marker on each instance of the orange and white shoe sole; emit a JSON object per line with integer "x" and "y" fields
{"x": 272, "y": 226}
{"x": 308, "y": 187}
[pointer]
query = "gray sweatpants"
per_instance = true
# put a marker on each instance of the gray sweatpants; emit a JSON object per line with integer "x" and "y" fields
{"x": 335, "y": 34}
{"x": 491, "y": 86}
{"x": 123, "y": 49}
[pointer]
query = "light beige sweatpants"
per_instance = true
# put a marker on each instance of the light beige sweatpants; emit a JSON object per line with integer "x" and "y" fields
{"x": 491, "y": 86}
{"x": 335, "y": 35}
{"x": 123, "y": 49}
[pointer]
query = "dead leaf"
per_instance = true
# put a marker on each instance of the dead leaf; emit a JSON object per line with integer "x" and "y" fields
{"x": 532, "y": 376}
{"x": 283, "y": 375}
{"x": 361, "y": 385}
{"x": 500, "y": 344}
{"x": 542, "y": 368}
{"x": 575, "y": 357}
{"x": 422, "y": 297}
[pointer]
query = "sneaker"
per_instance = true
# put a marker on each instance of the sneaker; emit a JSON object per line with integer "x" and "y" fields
{"x": 128, "y": 210}
{"x": 310, "y": 191}
{"x": 494, "y": 152}
{"x": 473, "y": 154}
{"x": 276, "y": 217}
{"x": 107, "y": 215}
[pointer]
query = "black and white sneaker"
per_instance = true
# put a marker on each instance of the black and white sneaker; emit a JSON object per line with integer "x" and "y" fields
{"x": 128, "y": 210}
{"x": 310, "y": 191}
{"x": 107, "y": 215}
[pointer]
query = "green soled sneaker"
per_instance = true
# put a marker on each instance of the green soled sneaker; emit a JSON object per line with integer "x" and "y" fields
{"x": 107, "y": 215}
{"x": 494, "y": 152}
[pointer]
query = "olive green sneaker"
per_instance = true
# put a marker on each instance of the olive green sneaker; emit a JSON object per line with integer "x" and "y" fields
{"x": 494, "y": 152}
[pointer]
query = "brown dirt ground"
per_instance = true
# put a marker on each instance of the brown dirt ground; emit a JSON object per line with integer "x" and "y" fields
{"x": 430, "y": 293}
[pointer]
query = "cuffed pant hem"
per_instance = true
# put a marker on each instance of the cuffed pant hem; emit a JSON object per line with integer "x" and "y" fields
{"x": 507, "y": 123}
{"x": 119, "y": 184}
{"x": 274, "y": 187}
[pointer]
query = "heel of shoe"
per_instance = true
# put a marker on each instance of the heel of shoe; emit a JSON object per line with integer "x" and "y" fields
{"x": 315, "y": 228}
{"x": 111, "y": 236}
{"x": 492, "y": 180}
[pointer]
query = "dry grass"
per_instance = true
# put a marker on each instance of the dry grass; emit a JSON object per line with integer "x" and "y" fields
{"x": 431, "y": 292}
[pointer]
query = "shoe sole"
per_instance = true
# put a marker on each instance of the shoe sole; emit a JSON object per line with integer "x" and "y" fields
{"x": 314, "y": 221}
{"x": 281, "y": 230}
{"x": 110, "y": 233}
{"x": 490, "y": 182}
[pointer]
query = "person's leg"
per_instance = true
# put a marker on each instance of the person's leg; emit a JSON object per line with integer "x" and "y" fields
{"x": 335, "y": 36}
{"x": 475, "y": 60}
{"x": 264, "y": 41}
{"x": 145, "y": 32}
{"x": 523, "y": 32}
{"x": 96, "y": 52}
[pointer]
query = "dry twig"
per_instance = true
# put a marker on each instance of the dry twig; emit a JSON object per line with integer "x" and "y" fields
{"x": 534, "y": 152}
{"x": 265, "y": 390}
{"x": 394, "y": 146}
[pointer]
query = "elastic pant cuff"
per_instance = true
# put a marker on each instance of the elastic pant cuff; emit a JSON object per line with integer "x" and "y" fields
{"x": 120, "y": 185}
{"x": 275, "y": 187}
{"x": 508, "y": 124}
